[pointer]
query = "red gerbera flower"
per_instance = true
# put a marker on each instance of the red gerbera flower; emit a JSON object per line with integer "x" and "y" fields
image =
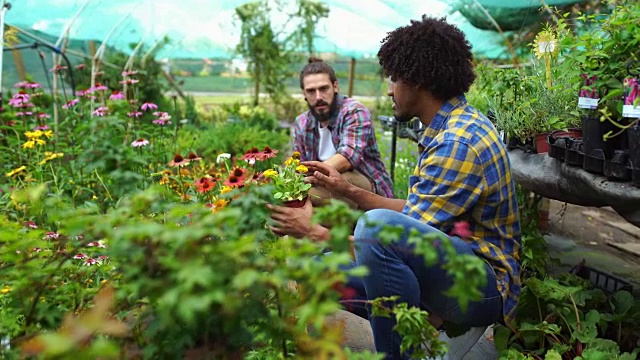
{"x": 206, "y": 186}
{"x": 268, "y": 153}
{"x": 239, "y": 172}
{"x": 253, "y": 153}
{"x": 234, "y": 181}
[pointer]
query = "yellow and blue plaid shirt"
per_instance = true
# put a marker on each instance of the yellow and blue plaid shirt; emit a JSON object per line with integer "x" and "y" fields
{"x": 464, "y": 174}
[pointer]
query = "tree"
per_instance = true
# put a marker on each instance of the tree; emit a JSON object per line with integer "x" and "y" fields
{"x": 269, "y": 52}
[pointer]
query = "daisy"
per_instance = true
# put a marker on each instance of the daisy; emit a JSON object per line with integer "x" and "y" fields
{"x": 239, "y": 172}
{"x": 134, "y": 114}
{"x": 222, "y": 157}
{"x": 90, "y": 262}
{"x": 43, "y": 116}
{"x": 81, "y": 66}
{"x": 33, "y": 85}
{"x": 58, "y": 69}
{"x": 128, "y": 73}
{"x": 51, "y": 235}
{"x": 100, "y": 87}
{"x": 178, "y": 160}
{"x": 80, "y": 256}
{"x": 140, "y": 142}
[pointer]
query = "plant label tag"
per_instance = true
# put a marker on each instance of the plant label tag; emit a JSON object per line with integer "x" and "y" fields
{"x": 587, "y": 103}
{"x": 629, "y": 111}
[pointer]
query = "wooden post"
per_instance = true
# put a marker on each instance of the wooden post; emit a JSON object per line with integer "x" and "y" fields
{"x": 92, "y": 48}
{"x": 352, "y": 74}
{"x": 17, "y": 59}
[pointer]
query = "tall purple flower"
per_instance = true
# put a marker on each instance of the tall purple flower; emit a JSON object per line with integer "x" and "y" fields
{"x": 116, "y": 95}
{"x": 101, "y": 111}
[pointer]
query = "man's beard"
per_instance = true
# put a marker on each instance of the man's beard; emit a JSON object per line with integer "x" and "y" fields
{"x": 333, "y": 109}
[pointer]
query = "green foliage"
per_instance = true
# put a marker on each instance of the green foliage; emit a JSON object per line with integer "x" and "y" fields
{"x": 267, "y": 50}
{"x": 604, "y": 49}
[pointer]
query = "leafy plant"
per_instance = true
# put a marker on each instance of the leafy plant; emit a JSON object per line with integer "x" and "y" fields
{"x": 288, "y": 179}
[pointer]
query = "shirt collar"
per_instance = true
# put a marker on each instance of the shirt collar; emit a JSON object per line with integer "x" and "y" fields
{"x": 441, "y": 117}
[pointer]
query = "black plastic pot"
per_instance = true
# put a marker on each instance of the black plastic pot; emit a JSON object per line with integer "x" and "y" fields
{"x": 633, "y": 135}
{"x": 618, "y": 166}
{"x": 574, "y": 154}
{"x": 596, "y": 150}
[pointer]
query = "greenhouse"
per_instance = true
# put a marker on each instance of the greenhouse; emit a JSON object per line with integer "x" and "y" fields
{"x": 320, "y": 179}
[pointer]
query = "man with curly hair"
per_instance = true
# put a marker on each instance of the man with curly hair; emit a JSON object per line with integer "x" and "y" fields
{"x": 463, "y": 176}
{"x": 337, "y": 130}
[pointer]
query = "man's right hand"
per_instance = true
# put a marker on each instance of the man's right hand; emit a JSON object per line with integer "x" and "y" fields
{"x": 328, "y": 177}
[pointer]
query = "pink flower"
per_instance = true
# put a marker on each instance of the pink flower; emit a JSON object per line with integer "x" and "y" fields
{"x": 161, "y": 122}
{"x": 31, "y": 225}
{"x": 51, "y": 235}
{"x": 33, "y": 85}
{"x": 21, "y": 84}
{"x": 129, "y": 81}
{"x": 41, "y": 127}
{"x": 97, "y": 244}
{"x": 36, "y": 249}
{"x": 134, "y": 114}
{"x": 43, "y": 116}
{"x": 58, "y": 69}
{"x": 140, "y": 142}
{"x": 148, "y": 106}
{"x": 90, "y": 262}
{"x": 461, "y": 229}
{"x": 71, "y": 103}
{"x": 101, "y": 111}
{"x": 103, "y": 257}
{"x": 129, "y": 73}
{"x": 80, "y": 256}
{"x": 81, "y": 66}
{"x": 116, "y": 95}
{"x": 99, "y": 87}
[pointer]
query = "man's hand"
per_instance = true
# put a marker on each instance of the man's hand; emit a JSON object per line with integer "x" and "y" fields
{"x": 328, "y": 177}
{"x": 294, "y": 222}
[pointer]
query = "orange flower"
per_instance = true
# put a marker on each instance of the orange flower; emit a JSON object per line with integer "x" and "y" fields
{"x": 268, "y": 153}
{"x": 193, "y": 157}
{"x": 234, "y": 181}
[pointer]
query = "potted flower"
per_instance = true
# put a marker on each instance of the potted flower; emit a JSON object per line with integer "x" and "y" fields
{"x": 288, "y": 182}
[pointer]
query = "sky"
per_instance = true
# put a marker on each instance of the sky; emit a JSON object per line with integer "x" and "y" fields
{"x": 207, "y": 28}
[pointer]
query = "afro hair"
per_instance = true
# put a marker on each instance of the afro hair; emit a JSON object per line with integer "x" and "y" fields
{"x": 430, "y": 54}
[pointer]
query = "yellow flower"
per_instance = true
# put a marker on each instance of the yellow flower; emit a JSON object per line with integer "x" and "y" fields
{"x": 219, "y": 204}
{"x": 270, "y": 173}
{"x": 33, "y": 134}
{"x": 291, "y": 160}
{"x": 15, "y": 171}
{"x": 50, "y": 156}
{"x": 29, "y": 144}
{"x": 5, "y": 289}
{"x": 302, "y": 169}
{"x": 39, "y": 141}
{"x": 48, "y": 133}
{"x": 296, "y": 155}
{"x": 225, "y": 189}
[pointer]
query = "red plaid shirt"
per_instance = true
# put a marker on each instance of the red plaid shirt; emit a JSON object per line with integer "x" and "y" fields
{"x": 353, "y": 137}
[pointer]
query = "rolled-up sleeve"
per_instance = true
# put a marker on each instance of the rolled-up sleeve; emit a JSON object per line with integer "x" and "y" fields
{"x": 357, "y": 129}
{"x": 299, "y": 137}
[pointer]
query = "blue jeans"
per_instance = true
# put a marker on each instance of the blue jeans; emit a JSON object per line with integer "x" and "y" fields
{"x": 395, "y": 271}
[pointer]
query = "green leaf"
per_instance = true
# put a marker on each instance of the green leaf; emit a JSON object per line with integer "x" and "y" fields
{"x": 552, "y": 355}
{"x": 621, "y": 302}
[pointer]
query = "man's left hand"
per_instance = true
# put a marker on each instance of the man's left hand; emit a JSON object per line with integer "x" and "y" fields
{"x": 294, "y": 222}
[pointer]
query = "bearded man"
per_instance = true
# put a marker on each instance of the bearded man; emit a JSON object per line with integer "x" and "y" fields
{"x": 337, "y": 131}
